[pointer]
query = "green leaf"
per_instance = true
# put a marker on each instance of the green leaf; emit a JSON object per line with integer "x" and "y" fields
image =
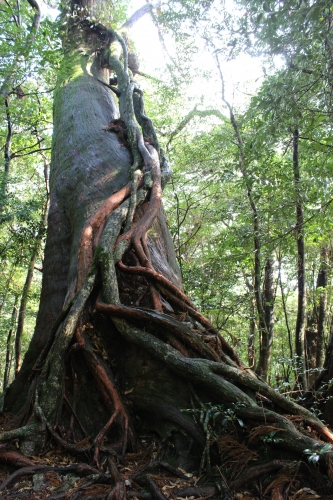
{"x": 326, "y": 448}
{"x": 266, "y": 7}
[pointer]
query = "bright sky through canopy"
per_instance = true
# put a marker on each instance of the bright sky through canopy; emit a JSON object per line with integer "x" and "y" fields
{"x": 243, "y": 75}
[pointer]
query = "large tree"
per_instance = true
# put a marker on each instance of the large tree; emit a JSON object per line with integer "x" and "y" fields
{"x": 119, "y": 349}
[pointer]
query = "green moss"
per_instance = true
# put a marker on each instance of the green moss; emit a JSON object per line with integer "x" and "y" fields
{"x": 74, "y": 65}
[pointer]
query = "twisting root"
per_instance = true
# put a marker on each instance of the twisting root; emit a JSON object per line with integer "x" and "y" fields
{"x": 93, "y": 230}
{"x": 119, "y": 490}
{"x": 183, "y": 306}
{"x": 258, "y": 470}
{"x": 107, "y": 387}
{"x": 15, "y": 459}
{"x": 154, "y": 490}
{"x": 29, "y": 471}
{"x": 175, "y": 328}
{"x": 322, "y": 430}
{"x": 260, "y": 431}
{"x": 183, "y": 302}
{"x": 158, "y": 278}
{"x": 137, "y": 236}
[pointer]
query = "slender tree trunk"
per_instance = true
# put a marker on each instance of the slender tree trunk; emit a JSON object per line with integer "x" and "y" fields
{"x": 27, "y": 284}
{"x": 267, "y": 335}
{"x": 315, "y": 330}
{"x": 324, "y": 381}
{"x": 301, "y": 308}
{"x": 252, "y": 331}
{"x": 8, "y": 281}
{"x": 26, "y": 47}
{"x": 285, "y": 313}
{"x": 8, "y": 144}
{"x": 252, "y": 325}
{"x": 321, "y": 287}
{"x": 178, "y": 251}
{"x": 7, "y": 157}
{"x": 311, "y": 344}
{"x": 24, "y": 298}
{"x": 263, "y": 331}
{"x": 9, "y": 347}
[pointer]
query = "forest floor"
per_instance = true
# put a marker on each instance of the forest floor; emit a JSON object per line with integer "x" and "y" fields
{"x": 57, "y": 475}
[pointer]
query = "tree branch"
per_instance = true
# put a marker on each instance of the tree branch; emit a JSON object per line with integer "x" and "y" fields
{"x": 136, "y": 16}
{"x": 192, "y": 114}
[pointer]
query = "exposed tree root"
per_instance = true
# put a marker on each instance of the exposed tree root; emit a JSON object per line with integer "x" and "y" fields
{"x": 259, "y": 470}
{"x": 158, "y": 464}
{"x": 203, "y": 491}
{"x": 181, "y": 331}
{"x": 92, "y": 232}
{"x": 154, "y": 490}
{"x": 322, "y": 430}
{"x": 282, "y": 482}
{"x": 222, "y": 346}
{"x": 10, "y": 457}
{"x": 107, "y": 387}
{"x": 119, "y": 490}
{"x": 75, "y": 448}
{"x": 25, "y": 471}
{"x": 158, "y": 278}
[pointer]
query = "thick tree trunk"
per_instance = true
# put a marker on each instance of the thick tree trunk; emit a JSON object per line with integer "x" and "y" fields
{"x": 89, "y": 164}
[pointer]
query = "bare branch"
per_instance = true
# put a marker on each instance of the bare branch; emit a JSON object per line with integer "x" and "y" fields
{"x": 136, "y": 16}
{"x": 30, "y": 152}
{"x": 192, "y": 114}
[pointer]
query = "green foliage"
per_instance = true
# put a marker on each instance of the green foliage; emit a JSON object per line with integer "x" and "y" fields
{"x": 29, "y": 68}
{"x": 217, "y": 419}
{"x": 271, "y": 438}
{"x": 208, "y": 209}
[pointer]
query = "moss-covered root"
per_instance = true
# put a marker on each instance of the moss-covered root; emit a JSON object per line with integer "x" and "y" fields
{"x": 204, "y": 373}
